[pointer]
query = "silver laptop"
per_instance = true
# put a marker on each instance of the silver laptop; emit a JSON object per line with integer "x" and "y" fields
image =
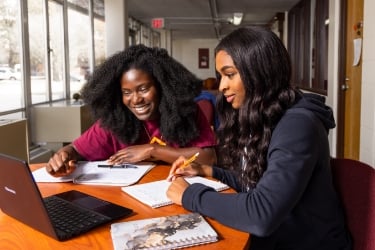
{"x": 61, "y": 216}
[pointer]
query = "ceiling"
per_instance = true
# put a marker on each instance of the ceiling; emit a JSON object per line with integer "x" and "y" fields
{"x": 206, "y": 19}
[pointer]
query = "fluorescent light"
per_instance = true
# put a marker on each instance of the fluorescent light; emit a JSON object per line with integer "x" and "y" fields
{"x": 237, "y": 18}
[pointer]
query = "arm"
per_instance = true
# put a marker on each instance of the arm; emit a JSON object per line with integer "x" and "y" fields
{"x": 292, "y": 157}
{"x": 170, "y": 154}
{"x": 94, "y": 144}
{"x": 158, "y": 152}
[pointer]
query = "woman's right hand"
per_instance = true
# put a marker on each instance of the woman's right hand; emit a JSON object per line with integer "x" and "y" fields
{"x": 192, "y": 169}
{"x": 61, "y": 164}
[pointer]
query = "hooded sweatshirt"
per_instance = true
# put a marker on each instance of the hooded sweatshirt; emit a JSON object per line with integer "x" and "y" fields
{"x": 294, "y": 204}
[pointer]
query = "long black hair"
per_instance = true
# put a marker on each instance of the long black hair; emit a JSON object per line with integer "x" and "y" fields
{"x": 176, "y": 87}
{"x": 265, "y": 70}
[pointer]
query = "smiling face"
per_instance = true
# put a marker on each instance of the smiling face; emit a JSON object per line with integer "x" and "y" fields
{"x": 139, "y": 94}
{"x": 231, "y": 84}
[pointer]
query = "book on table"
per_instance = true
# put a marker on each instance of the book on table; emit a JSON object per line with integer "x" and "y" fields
{"x": 154, "y": 193}
{"x": 99, "y": 173}
{"x": 167, "y": 232}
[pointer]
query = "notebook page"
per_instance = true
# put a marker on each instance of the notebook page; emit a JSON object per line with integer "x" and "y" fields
{"x": 88, "y": 172}
{"x": 95, "y": 175}
{"x": 154, "y": 193}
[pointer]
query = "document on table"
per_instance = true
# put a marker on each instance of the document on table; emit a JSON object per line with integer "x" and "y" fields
{"x": 88, "y": 172}
{"x": 154, "y": 193}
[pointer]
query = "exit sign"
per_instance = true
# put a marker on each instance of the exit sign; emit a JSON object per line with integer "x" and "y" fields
{"x": 157, "y": 23}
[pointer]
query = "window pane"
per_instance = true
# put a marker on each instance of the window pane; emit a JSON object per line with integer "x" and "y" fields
{"x": 11, "y": 91}
{"x": 80, "y": 4}
{"x": 79, "y": 45}
{"x": 56, "y": 44}
{"x": 99, "y": 31}
{"x": 37, "y": 34}
{"x": 99, "y": 8}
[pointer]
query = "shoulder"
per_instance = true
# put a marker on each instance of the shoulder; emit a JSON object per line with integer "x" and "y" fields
{"x": 299, "y": 129}
{"x": 299, "y": 119}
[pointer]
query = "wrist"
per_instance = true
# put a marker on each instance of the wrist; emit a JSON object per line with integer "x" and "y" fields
{"x": 206, "y": 170}
{"x": 70, "y": 152}
{"x": 152, "y": 150}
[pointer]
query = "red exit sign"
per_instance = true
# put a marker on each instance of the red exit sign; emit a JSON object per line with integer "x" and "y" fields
{"x": 157, "y": 23}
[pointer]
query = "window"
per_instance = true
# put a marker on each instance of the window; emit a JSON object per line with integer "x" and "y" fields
{"x": 40, "y": 52}
{"x": 38, "y": 47}
{"x": 155, "y": 39}
{"x": 11, "y": 91}
{"x": 79, "y": 41}
{"x": 134, "y": 28}
{"x": 308, "y": 44}
{"x": 50, "y": 57}
{"x": 56, "y": 50}
{"x": 99, "y": 32}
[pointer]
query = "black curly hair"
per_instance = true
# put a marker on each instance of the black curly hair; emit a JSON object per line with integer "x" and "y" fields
{"x": 176, "y": 86}
{"x": 265, "y": 69}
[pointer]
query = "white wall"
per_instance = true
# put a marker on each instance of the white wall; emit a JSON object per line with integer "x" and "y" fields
{"x": 367, "y": 126}
{"x": 186, "y": 52}
{"x": 333, "y": 67}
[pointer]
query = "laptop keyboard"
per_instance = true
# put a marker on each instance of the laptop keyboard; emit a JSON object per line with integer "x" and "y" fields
{"x": 70, "y": 220}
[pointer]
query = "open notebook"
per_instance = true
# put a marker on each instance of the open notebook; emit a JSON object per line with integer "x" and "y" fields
{"x": 168, "y": 232}
{"x": 89, "y": 172}
{"x": 154, "y": 193}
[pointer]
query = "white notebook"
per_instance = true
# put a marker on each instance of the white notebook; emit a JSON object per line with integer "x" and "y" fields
{"x": 154, "y": 193}
{"x": 89, "y": 172}
{"x": 168, "y": 232}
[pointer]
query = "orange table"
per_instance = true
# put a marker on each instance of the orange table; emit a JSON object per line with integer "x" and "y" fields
{"x": 15, "y": 235}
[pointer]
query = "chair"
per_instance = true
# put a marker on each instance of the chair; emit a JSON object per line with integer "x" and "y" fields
{"x": 355, "y": 184}
{"x": 206, "y": 102}
{"x": 208, "y": 110}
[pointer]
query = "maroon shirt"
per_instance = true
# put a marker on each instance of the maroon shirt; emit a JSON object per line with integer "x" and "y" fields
{"x": 97, "y": 143}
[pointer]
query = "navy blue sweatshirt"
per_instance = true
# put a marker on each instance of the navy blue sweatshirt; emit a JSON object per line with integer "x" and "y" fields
{"x": 294, "y": 204}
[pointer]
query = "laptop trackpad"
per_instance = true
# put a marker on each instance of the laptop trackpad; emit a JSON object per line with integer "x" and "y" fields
{"x": 92, "y": 203}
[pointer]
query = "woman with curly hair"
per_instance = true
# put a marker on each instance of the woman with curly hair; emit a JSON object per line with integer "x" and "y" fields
{"x": 137, "y": 97}
{"x": 274, "y": 151}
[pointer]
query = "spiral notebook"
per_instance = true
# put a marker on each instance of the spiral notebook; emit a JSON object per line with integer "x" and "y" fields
{"x": 154, "y": 193}
{"x": 168, "y": 232}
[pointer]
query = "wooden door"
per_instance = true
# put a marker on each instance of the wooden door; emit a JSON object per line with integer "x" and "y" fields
{"x": 350, "y": 83}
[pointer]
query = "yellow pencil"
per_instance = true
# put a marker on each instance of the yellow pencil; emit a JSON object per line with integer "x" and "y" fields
{"x": 190, "y": 160}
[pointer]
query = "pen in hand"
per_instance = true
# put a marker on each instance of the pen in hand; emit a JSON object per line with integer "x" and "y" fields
{"x": 187, "y": 162}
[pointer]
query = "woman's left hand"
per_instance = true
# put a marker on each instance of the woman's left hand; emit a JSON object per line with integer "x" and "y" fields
{"x": 131, "y": 154}
{"x": 176, "y": 190}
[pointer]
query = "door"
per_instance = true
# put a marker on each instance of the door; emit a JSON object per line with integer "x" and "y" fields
{"x": 351, "y": 80}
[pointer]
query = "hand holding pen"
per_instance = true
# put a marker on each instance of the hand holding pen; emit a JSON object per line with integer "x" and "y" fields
{"x": 179, "y": 165}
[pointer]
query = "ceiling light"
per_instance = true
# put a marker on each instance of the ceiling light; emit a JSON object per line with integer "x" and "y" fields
{"x": 237, "y": 18}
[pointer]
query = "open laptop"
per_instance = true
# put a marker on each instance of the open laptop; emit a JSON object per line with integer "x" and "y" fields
{"x": 20, "y": 198}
